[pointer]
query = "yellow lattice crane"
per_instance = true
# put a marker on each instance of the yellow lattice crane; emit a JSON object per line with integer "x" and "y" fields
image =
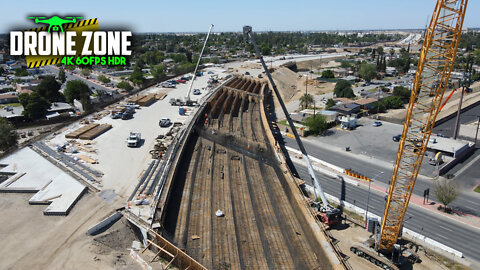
{"x": 433, "y": 72}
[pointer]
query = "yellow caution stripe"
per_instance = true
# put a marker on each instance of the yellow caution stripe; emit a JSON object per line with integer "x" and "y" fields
{"x": 34, "y": 61}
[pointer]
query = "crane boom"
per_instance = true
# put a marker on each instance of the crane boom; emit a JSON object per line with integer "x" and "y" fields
{"x": 187, "y": 97}
{"x": 433, "y": 72}
{"x": 327, "y": 208}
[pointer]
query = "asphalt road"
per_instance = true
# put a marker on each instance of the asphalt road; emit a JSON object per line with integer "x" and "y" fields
{"x": 453, "y": 234}
{"x": 468, "y": 203}
{"x": 447, "y": 127}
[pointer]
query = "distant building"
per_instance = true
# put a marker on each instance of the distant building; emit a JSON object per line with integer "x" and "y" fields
{"x": 330, "y": 116}
{"x": 346, "y": 108}
{"x": 8, "y": 98}
{"x": 366, "y": 103}
{"x": 24, "y": 88}
{"x": 61, "y": 107}
{"x": 391, "y": 71}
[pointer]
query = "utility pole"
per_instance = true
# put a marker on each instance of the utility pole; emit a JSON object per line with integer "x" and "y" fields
{"x": 467, "y": 74}
{"x": 457, "y": 120}
{"x": 378, "y": 103}
{"x": 476, "y": 132}
{"x": 306, "y": 81}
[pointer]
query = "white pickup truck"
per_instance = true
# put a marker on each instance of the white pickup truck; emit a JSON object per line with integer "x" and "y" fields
{"x": 134, "y": 139}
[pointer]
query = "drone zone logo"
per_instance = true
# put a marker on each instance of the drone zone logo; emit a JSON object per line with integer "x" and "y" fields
{"x": 70, "y": 41}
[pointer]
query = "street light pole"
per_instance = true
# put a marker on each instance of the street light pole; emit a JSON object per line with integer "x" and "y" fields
{"x": 368, "y": 198}
{"x": 476, "y": 132}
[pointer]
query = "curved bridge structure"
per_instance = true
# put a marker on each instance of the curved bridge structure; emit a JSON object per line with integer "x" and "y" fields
{"x": 228, "y": 162}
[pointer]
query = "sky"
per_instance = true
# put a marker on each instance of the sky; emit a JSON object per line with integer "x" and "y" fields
{"x": 262, "y": 15}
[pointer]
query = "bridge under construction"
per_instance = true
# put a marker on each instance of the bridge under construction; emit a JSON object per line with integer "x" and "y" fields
{"x": 230, "y": 203}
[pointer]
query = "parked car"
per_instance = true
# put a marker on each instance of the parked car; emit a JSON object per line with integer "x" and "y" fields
{"x": 126, "y": 116}
{"x": 181, "y": 81}
{"x": 164, "y": 122}
{"x": 116, "y": 115}
{"x": 168, "y": 85}
{"x": 397, "y": 138}
{"x": 129, "y": 110}
{"x": 133, "y": 105}
{"x": 377, "y": 123}
{"x": 211, "y": 72}
{"x": 196, "y": 91}
{"x": 184, "y": 78}
{"x": 247, "y": 73}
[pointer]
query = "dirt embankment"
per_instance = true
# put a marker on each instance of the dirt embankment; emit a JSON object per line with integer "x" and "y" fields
{"x": 287, "y": 82}
{"x": 319, "y": 63}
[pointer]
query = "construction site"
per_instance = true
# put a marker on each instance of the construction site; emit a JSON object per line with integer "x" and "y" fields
{"x": 232, "y": 177}
{"x": 251, "y": 219}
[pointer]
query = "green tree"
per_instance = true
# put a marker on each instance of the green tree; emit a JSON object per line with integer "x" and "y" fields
{"x": 125, "y": 85}
{"x": 49, "y": 89}
{"x": 393, "y": 102}
{"x": 330, "y": 103}
{"x": 61, "y": 75}
{"x": 343, "y": 89}
{"x": 380, "y": 50}
{"x": 8, "y": 136}
{"x": 179, "y": 58}
{"x": 78, "y": 90}
{"x": 85, "y": 72}
{"x": 367, "y": 71}
{"x": 345, "y": 64}
{"x": 158, "y": 72}
{"x": 306, "y": 100}
{"x": 446, "y": 192}
{"x": 137, "y": 76}
{"x": 103, "y": 79}
{"x": 402, "y": 92}
{"x": 34, "y": 105}
{"x": 20, "y": 72}
{"x": 328, "y": 74}
{"x": 266, "y": 49}
{"x": 378, "y": 107}
{"x": 316, "y": 124}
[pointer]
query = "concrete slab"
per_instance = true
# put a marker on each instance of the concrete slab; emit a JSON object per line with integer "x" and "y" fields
{"x": 55, "y": 187}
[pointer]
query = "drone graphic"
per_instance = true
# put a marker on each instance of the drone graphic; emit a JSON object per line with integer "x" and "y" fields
{"x": 55, "y": 21}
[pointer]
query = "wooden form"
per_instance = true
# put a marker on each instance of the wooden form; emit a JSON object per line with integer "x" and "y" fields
{"x": 146, "y": 100}
{"x": 171, "y": 253}
{"x": 76, "y": 134}
{"x": 95, "y": 132}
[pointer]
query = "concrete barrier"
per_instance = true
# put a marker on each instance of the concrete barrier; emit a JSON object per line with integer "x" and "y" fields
{"x": 326, "y": 164}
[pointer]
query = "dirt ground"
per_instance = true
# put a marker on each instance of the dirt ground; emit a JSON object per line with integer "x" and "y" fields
{"x": 292, "y": 85}
{"x": 349, "y": 234}
{"x": 319, "y": 63}
{"x": 31, "y": 240}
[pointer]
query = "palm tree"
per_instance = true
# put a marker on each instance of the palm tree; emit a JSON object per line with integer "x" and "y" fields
{"x": 306, "y": 100}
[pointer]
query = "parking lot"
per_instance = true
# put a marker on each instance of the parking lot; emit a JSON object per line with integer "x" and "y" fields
{"x": 369, "y": 142}
{"x": 120, "y": 164}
